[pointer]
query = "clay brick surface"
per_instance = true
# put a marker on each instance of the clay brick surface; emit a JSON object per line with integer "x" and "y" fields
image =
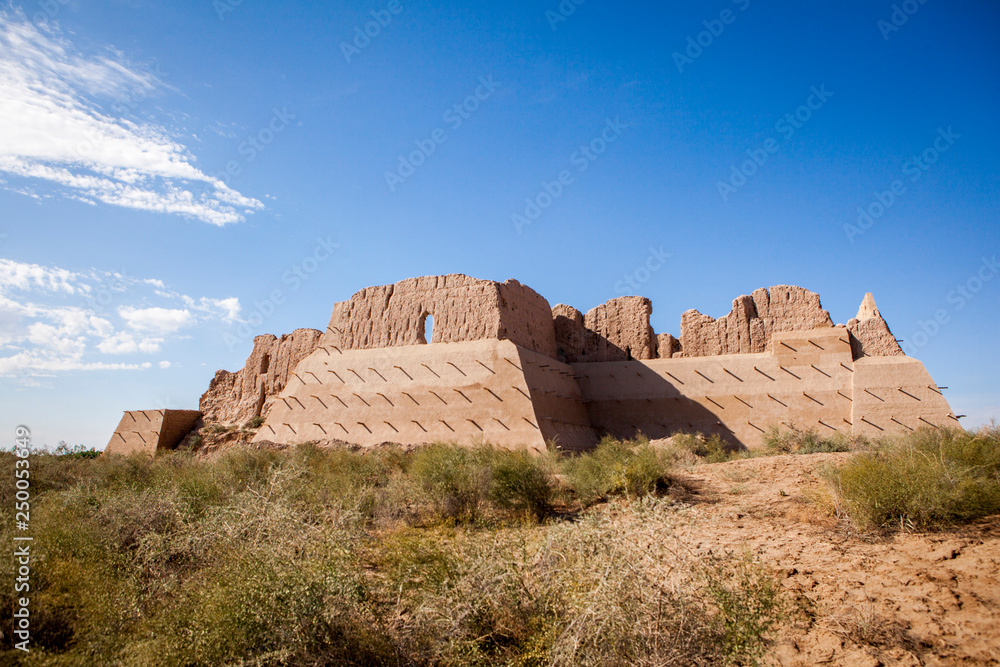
{"x": 234, "y": 398}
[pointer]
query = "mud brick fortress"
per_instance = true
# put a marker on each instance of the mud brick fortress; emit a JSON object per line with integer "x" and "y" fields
{"x": 504, "y": 367}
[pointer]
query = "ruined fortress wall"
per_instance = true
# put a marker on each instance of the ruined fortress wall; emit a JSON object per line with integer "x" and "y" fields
{"x": 751, "y": 323}
{"x": 870, "y": 335}
{"x": 809, "y": 380}
{"x": 617, "y": 330}
{"x": 146, "y": 431}
{"x": 805, "y": 382}
{"x": 558, "y": 403}
{"x": 502, "y": 367}
{"x": 463, "y": 309}
{"x": 464, "y": 392}
{"x": 896, "y": 395}
{"x": 234, "y": 398}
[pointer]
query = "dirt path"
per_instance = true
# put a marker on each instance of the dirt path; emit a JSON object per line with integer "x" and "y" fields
{"x": 912, "y": 599}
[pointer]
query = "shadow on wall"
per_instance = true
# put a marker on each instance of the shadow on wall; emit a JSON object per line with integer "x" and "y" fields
{"x": 657, "y": 408}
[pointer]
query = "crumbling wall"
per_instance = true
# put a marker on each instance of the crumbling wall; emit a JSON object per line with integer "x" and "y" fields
{"x": 234, "y": 398}
{"x": 146, "y": 431}
{"x": 870, "y": 334}
{"x": 617, "y": 330}
{"x": 667, "y": 346}
{"x": 516, "y": 373}
{"x": 462, "y": 308}
{"x": 570, "y": 332}
{"x": 751, "y": 323}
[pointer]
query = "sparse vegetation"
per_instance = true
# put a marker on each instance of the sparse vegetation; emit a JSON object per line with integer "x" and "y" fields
{"x": 310, "y": 556}
{"x": 630, "y": 468}
{"x": 712, "y": 449}
{"x": 796, "y": 441}
{"x": 928, "y": 479}
{"x": 254, "y": 422}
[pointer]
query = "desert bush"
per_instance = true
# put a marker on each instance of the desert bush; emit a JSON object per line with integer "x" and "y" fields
{"x": 614, "y": 467}
{"x": 713, "y": 448}
{"x": 456, "y": 480}
{"x": 254, "y": 422}
{"x": 268, "y": 557}
{"x": 607, "y": 590}
{"x": 75, "y": 451}
{"x": 521, "y": 483}
{"x": 749, "y": 601}
{"x": 797, "y": 441}
{"x": 926, "y": 479}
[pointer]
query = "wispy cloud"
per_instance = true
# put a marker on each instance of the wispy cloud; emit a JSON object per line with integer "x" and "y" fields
{"x": 55, "y": 320}
{"x": 55, "y": 131}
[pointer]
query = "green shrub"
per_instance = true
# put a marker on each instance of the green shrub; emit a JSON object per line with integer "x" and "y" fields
{"x": 927, "y": 479}
{"x": 796, "y": 441}
{"x": 75, "y": 451}
{"x": 749, "y": 602}
{"x": 630, "y": 468}
{"x": 254, "y": 422}
{"x": 520, "y": 484}
{"x": 268, "y": 558}
{"x": 456, "y": 480}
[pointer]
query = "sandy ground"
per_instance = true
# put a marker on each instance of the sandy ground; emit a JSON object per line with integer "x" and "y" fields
{"x": 908, "y": 599}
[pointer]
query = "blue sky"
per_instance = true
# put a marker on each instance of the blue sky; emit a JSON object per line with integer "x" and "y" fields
{"x": 178, "y": 177}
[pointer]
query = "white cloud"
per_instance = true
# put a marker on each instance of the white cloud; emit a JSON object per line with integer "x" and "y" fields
{"x": 228, "y": 309}
{"x": 126, "y": 343}
{"x": 55, "y": 320}
{"x": 165, "y": 364}
{"x": 32, "y": 364}
{"x": 156, "y": 320}
{"x": 53, "y": 129}
{"x": 27, "y": 276}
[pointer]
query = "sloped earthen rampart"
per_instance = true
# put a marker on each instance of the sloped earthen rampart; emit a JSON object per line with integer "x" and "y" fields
{"x": 147, "y": 431}
{"x": 501, "y": 366}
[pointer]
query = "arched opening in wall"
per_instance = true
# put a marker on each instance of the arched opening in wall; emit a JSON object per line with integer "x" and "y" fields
{"x": 425, "y": 333}
{"x": 265, "y": 362}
